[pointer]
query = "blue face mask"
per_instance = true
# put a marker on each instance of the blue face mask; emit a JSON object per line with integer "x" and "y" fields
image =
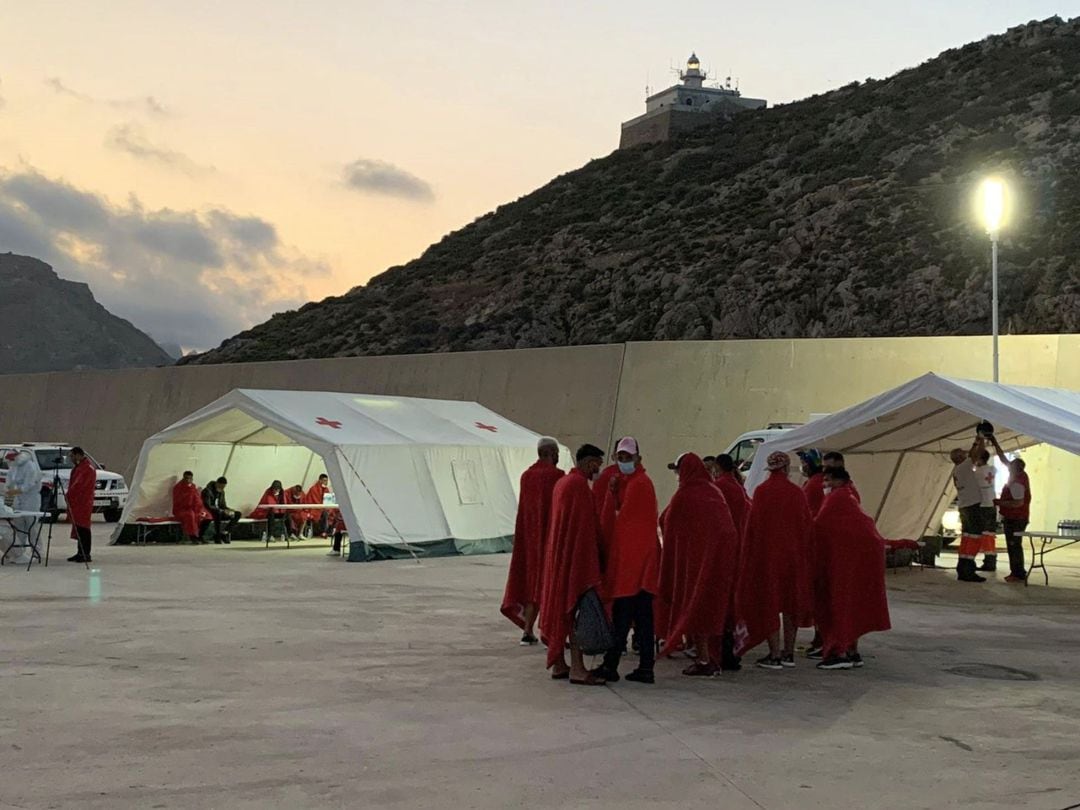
{"x": 627, "y": 467}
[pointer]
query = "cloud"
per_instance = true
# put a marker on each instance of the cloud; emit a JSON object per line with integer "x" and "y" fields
{"x": 380, "y": 177}
{"x": 146, "y": 104}
{"x": 188, "y": 277}
{"x": 131, "y": 139}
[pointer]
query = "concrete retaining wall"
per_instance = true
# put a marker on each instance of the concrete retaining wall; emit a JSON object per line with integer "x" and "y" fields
{"x": 673, "y": 396}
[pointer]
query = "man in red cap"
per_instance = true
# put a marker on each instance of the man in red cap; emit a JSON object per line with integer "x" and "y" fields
{"x": 698, "y": 563}
{"x": 80, "y": 503}
{"x": 775, "y": 576}
{"x": 521, "y": 600}
{"x": 632, "y": 561}
{"x": 571, "y": 565}
{"x": 849, "y": 560}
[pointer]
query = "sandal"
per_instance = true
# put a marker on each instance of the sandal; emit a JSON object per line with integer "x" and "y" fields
{"x": 588, "y": 680}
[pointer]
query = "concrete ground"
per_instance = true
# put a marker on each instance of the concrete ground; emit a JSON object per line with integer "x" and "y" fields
{"x": 234, "y": 677}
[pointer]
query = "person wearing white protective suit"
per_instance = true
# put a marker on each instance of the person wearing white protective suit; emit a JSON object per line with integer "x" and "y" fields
{"x": 24, "y": 490}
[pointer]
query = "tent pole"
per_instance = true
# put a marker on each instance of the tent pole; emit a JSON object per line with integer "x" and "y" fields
{"x": 228, "y": 461}
{"x": 888, "y": 487}
{"x": 896, "y": 429}
{"x": 934, "y": 508}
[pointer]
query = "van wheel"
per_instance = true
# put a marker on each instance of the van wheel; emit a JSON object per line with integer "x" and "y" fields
{"x": 112, "y": 515}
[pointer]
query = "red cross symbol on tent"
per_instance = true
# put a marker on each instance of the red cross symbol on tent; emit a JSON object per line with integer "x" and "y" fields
{"x": 330, "y": 423}
{"x": 490, "y": 428}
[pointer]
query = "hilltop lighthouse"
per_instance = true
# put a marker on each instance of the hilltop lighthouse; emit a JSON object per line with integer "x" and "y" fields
{"x": 680, "y": 107}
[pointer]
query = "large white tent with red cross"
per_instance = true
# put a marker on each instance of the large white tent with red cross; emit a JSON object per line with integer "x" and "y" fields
{"x": 411, "y": 476}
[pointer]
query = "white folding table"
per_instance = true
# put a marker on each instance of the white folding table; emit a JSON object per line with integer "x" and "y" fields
{"x": 27, "y": 532}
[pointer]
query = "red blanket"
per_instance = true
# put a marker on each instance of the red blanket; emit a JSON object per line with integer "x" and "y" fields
{"x": 776, "y": 573}
{"x": 700, "y": 552}
{"x": 849, "y": 560}
{"x": 269, "y": 498}
{"x": 814, "y": 490}
{"x": 602, "y": 486}
{"x": 80, "y": 495}
{"x": 631, "y": 546}
{"x": 530, "y": 533}
{"x": 571, "y": 560}
{"x": 737, "y": 500}
{"x": 187, "y": 507}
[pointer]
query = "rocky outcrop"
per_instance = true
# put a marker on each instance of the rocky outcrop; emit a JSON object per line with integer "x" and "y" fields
{"x": 49, "y": 324}
{"x": 845, "y": 214}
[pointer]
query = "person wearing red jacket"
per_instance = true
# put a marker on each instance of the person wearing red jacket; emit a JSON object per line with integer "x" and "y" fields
{"x": 521, "y": 599}
{"x": 80, "y": 503}
{"x": 187, "y": 507}
{"x": 775, "y": 579}
{"x": 631, "y": 550}
{"x": 571, "y": 565}
{"x": 1015, "y": 507}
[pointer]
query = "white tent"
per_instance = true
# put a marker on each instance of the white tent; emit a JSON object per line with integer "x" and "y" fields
{"x": 897, "y": 443}
{"x": 411, "y": 476}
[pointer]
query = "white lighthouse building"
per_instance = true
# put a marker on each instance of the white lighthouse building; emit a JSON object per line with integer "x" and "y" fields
{"x": 680, "y": 107}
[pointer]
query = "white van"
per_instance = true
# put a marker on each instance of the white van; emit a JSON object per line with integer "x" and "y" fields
{"x": 744, "y": 448}
{"x": 54, "y": 461}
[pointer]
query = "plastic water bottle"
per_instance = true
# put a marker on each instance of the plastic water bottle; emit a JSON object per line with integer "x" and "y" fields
{"x": 95, "y": 586}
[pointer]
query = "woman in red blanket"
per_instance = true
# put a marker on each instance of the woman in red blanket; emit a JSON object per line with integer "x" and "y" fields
{"x": 849, "y": 558}
{"x": 698, "y": 564}
{"x": 730, "y": 483}
{"x": 775, "y": 577}
{"x": 521, "y": 599}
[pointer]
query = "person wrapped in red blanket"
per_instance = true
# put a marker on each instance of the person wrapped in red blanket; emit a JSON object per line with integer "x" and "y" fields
{"x": 775, "y": 575}
{"x": 275, "y": 518}
{"x": 188, "y": 508}
{"x": 521, "y": 599}
{"x": 697, "y": 570}
{"x": 317, "y": 496}
{"x": 849, "y": 561}
{"x": 571, "y": 565}
{"x": 297, "y": 518}
{"x": 80, "y": 503}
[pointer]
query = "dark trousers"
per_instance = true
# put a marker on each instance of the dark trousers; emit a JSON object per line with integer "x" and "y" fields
{"x": 227, "y": 518}
{"x": 638, "y": 611}
{"x": 337, "y": 541}
{"x": 1015, "y": 544}
{"x": 83, "y": 540}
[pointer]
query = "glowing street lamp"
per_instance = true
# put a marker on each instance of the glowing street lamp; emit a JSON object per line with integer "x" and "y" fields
{"x": 992, "y": 210}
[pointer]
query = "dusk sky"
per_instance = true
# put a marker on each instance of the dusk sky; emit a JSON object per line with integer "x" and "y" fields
{"x": 204, "y": 164}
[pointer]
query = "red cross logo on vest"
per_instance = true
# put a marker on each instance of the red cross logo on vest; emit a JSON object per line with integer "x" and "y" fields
{"x": 330, "y": 423}
{"x": 490, "y": 428}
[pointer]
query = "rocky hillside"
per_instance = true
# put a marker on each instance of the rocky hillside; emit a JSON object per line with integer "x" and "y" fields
{"x": 848, "y": 213}
{"x": 53, "y": 325}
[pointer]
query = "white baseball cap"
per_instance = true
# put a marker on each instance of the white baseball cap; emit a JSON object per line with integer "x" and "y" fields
{"x": 627, "y": 444}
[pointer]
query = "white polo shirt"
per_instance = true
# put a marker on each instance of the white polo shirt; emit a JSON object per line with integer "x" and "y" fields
{"x": 968, "y": 487}
{"x": 987, "y": 490}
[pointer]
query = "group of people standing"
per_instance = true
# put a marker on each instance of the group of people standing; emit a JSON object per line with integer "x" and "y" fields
{"x": 978, "y": 501}
{"x": 197, "y": 510}
{"x": 24, "y": 489}
{"x": 716, "y": 574}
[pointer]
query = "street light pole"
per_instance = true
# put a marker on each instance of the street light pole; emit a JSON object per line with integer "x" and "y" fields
{"x": 992, "y": 193}
{"x": 994, "y": 295}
